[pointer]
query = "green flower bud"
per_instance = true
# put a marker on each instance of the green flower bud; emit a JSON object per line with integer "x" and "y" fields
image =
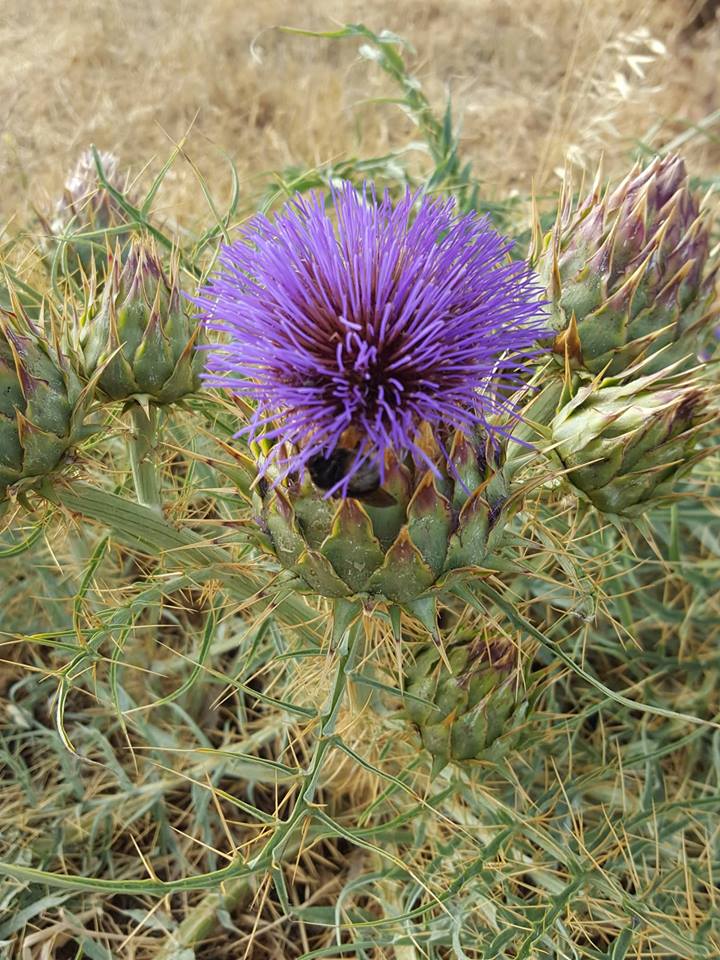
{"x": 142, "y": 340}
{"x": 42, "y": 404}
{"x": 626, "y": 443}
{"x": 630, "y": 273}
{"x": 87, "y": 216}
{"x": 472, "y": 711}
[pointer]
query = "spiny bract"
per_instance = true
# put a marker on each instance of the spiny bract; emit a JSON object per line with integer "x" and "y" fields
{"x": 445, "y": 517}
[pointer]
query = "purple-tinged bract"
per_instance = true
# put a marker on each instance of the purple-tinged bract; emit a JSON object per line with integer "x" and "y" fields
{"x": 372, "y": 315}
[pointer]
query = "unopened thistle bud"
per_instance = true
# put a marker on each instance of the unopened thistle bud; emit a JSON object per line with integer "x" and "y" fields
{"x": 144, "y": 335}
{"x": 42, "y": 404}
{"x": 630, "y": 273}
{"x": 625, "y": 443}
{"x": 472, "y": 711}
{"x": 88, "y": 218}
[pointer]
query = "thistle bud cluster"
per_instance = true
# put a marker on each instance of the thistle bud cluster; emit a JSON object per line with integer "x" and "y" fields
{"x": 632, "y": 278}
{"x": 134, "y": 336}
{"x": 380, "y": 344}
{"x": 381, "y": 349}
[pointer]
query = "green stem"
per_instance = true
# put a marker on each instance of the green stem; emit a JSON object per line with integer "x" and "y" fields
{"x": 141, "y": 450}
{"x": 202, "y": 921}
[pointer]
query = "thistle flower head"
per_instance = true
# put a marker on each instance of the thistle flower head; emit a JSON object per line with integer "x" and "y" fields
{"x": 369, "y": 316}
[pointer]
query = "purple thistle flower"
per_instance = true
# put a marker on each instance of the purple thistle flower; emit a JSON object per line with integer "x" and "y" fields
{"x": 372, "y": 316}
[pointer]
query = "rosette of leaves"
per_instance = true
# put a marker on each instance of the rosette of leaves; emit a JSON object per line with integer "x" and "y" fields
{"x": 141, "y": 341}
{"x": 43, "y": 403}
{"x": 631, "y": 274}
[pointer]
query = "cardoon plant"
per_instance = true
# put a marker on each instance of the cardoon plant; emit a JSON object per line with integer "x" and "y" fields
{"x": 381, "y": 353}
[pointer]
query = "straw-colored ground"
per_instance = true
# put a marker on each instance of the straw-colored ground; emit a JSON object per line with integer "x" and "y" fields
{"x": 532, "y": 81}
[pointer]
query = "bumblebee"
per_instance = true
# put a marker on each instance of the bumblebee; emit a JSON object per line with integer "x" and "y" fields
{"x": 327, "y": 472}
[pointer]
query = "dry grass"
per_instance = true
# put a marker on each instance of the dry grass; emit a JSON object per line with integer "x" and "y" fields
{"x": 532, "y": 80}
